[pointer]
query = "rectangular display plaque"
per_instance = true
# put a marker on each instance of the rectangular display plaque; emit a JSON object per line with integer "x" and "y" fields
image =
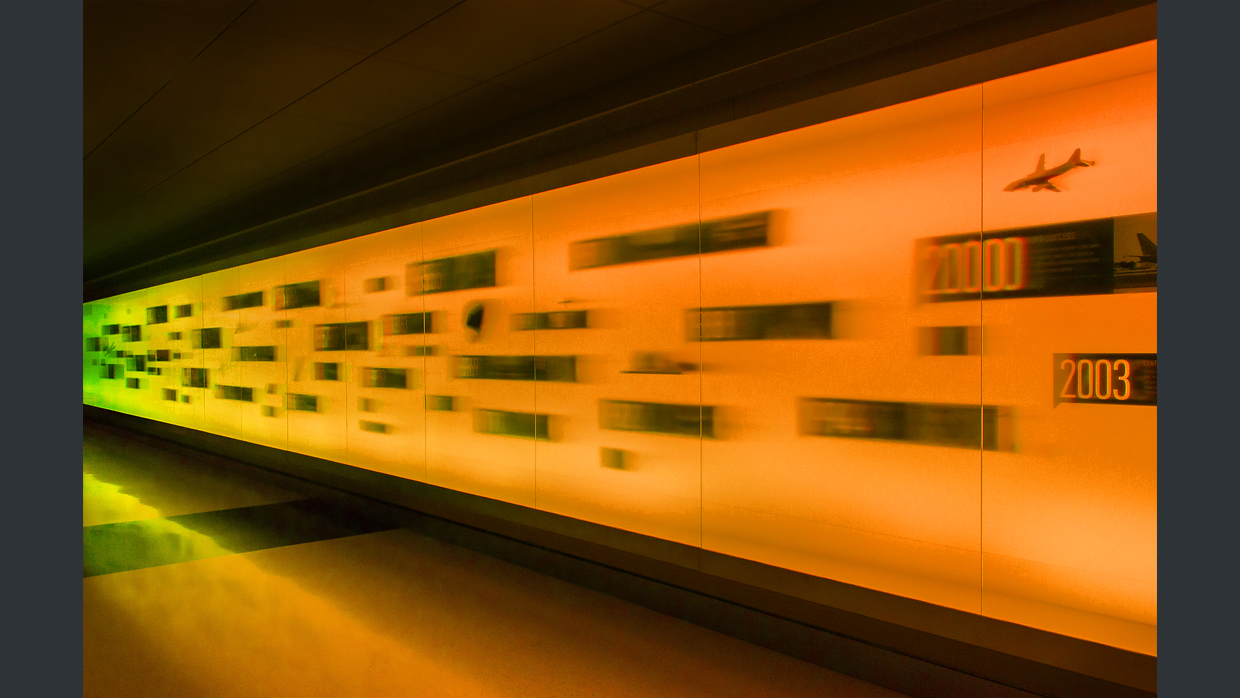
{"x": 720, "y": 235}
{"x": 657, "y": 418}
{"x": 457, "y": 273}
{"x": 959, "y": 426}
{"x": 243, "y": 300}
{"x": 1080, "y": 258}
{"x": 752, "y": 322}
{"x": 1107, "y": 379}
{"x": 525, "y": 425}
{"x": 560, "y": 369}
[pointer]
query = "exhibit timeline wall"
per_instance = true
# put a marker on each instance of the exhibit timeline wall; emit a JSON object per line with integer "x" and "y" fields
{"x": 914, "y": 349}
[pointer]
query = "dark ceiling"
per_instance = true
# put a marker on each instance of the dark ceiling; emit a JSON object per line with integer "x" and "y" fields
{"x": 230, "y": 120}
{"x": 198, "y": 105}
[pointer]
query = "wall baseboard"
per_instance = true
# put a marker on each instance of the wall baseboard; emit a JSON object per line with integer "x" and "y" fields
{"x": 906, "y": 645}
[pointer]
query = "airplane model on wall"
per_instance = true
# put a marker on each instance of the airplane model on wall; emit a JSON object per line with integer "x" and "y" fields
{"x": 1040, "y": 178}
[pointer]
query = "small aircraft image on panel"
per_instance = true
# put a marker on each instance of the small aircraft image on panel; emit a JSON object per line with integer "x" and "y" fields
{"x": 1040, "y": 178}
{"x": 1136, "y": 272}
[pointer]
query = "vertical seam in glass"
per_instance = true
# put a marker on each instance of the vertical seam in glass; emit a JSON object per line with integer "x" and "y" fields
{"x": 701, "y": 370}
{"x": 534, "y": 349}
{"x": 981, "y": 362}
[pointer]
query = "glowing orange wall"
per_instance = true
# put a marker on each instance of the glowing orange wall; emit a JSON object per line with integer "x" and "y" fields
{"x": 1056, "y": 529}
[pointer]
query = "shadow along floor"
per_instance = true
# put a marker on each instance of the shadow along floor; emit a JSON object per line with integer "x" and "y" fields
{"x": 201, "y": 582}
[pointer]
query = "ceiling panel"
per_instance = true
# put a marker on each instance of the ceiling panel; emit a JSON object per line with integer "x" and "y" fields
{"x": 383, "y": 155}
{"x": 105, "y": 106}
{"x": 166, "y": 135}
{"x": 362, "y": 27}
{"x": 375, "y": 92}
{"x": 139, "y": 47}
{"x": 221, "y": 10}
{"x": 252, "y": 68}
{"x": 728, "y": 16}
{"x": 479, "y": 107}
{"x": 480, "y": 39}
{"x": 268, "y": 149}
{"x": 638, "y": 42}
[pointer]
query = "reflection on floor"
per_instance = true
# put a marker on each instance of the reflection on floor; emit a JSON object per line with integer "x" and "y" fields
{"x": 218, "y": 586}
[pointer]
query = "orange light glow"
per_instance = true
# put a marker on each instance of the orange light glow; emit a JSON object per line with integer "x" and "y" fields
{"x": 643, "y": 350}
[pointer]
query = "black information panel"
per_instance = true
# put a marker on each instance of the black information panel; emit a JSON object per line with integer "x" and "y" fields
{"x": 949, "y": 341}
{"x": 1108, "y": 379}
{"x": 560, "y": 369}
{"x": 208, "y": 338}
{"x": 1081, "y": 258}
{"x": 234, "y": 392}
{"x": 342, "y": 336}
{"x": 254, "y": 353}
{"x": 243, "y": 300}
{"x": 303, "y": 403}
{"x": 194, "y": 377}
{"x": 439, "y": 403}
{"x": 303, "y": 295}
{"x": 525, "y": 425}
{"x": 407, "y": 323}
{"x": 657, "y": 418}
{"x": 451, "y": 274}
{"x": 720, "y": 235}
{"x": 385, "y": 378}
{"x": 795, "y": 321}
{"x": 559, "y": 320}
{"x": 960, "y": 426}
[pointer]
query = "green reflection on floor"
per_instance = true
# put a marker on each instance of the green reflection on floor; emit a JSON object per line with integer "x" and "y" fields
{"x": 133, "y": 545}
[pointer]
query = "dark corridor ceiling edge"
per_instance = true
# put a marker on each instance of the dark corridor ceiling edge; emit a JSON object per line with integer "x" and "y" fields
{"x": 643, "y": 119}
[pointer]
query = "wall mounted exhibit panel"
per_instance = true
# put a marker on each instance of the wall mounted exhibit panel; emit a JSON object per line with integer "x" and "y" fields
{"x": 97, "y": 348}
{"x": 135, "y": 340}
{"x": 1070, "y": 527}
{"x": 474, "y": 276}
{"x": 220, "y": 377}
{"x": 913, "y": 350}
{"x": 320, "y": 366}
{"x": 169, "y": 352}
{"x": 386, "y": 418}
{"x": 260, "y": 352}
{"x": 848, "y": 453}
{"x": 623, "y": 252}
{"x": 118, "y": 380}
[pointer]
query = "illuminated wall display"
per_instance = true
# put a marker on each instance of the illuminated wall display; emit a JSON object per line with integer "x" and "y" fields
{"x": 824, "y": 350}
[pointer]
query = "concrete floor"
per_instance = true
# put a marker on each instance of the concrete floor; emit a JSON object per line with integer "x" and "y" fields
{"x": 387, "y": 613}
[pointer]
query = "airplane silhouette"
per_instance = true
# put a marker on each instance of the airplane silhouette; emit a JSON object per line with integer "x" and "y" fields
{"x": 1149, "y": 251}
{"x": 1040, "y": 178}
